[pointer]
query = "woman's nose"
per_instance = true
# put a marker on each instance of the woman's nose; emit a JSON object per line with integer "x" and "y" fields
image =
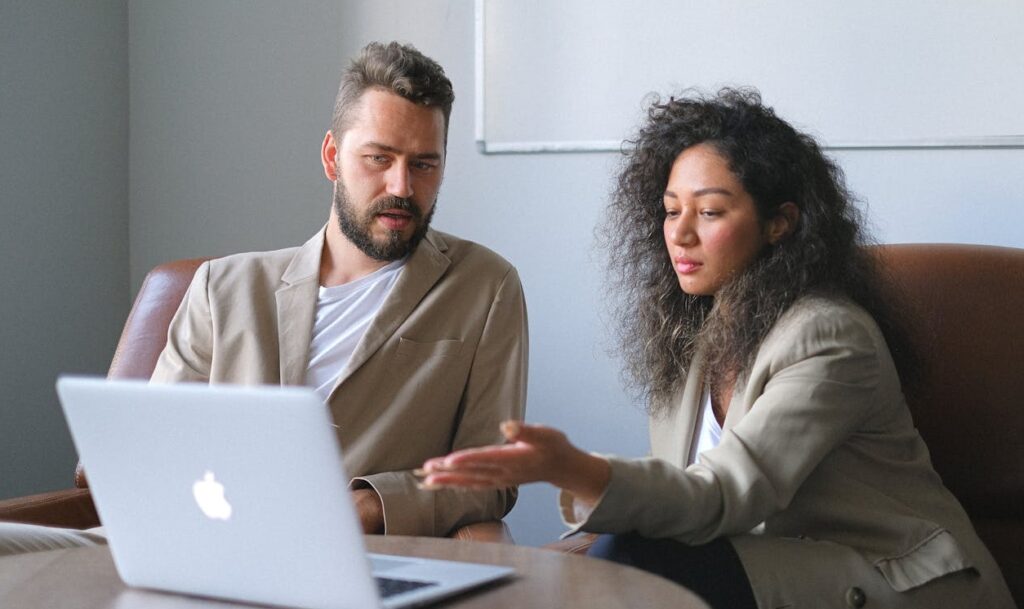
{"x": 682, "y": 232}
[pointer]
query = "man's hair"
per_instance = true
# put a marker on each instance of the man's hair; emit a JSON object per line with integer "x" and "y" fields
{"x": 396, "y": 68}
{"x": 660, "y": 326}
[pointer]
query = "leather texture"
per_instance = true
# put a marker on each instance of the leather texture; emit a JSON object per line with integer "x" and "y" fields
{"x": 142, "y": 339}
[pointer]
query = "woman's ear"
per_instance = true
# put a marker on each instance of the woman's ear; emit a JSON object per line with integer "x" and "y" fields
{"x": 783, "y": 223}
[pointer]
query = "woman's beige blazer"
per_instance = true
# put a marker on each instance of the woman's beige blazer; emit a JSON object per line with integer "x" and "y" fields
{"x": 821, "y": 481}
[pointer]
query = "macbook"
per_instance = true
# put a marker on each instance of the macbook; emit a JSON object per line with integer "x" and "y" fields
{"x": 237, "y": 493}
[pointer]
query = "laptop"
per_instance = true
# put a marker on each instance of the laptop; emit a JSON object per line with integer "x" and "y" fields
{"x": 237, "y": 493}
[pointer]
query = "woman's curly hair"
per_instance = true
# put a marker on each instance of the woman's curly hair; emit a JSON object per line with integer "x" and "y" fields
{"x": 660, "y": 326}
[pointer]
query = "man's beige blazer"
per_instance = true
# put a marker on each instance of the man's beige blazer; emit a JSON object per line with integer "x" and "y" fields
{"x": 820, "y": 481}
{"x": 442, "y": 364}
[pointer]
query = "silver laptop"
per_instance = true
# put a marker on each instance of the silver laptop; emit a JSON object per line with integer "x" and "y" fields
{"x": 237, "y": 493}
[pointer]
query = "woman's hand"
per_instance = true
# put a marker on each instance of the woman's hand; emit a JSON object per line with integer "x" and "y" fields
{"x": 534, "y": 454}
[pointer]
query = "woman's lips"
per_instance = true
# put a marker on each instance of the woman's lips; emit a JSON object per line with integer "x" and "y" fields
{"x": 686, "y": 266}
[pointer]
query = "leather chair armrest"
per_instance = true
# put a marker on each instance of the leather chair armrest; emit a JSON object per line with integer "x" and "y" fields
{"x": 491, "y": 531}
{"x": 576, "y": 544}
{"x": 71, "y": 508}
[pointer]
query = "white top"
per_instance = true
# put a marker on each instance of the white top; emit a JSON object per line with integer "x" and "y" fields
{"x": 343, "y": 313}
{"x": 708, "y": 433}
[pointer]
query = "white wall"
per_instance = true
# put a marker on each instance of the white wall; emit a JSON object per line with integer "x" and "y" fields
{"x": 64, "y": 227}
{"x": 229, "y": 104}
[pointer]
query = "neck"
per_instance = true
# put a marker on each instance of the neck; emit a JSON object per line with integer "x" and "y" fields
{"x": 342, "y": 262}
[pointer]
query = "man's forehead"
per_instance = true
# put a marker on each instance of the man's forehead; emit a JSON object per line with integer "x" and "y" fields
{"x": 385, "y": 119}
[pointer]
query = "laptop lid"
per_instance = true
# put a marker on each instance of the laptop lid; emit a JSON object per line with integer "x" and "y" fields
{"x": 231, "y": 492}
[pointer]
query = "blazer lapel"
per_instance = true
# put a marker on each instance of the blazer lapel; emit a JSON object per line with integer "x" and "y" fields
{"x": 672, "y": 432}
{"x": 425, "y": 267}
{"x": 296, "y": 310}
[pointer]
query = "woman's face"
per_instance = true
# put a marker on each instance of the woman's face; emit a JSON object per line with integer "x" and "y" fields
{"x": 712, "y": 231}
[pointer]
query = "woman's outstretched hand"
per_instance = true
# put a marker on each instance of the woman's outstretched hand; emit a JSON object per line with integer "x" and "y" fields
{"x": 534, "y": 453}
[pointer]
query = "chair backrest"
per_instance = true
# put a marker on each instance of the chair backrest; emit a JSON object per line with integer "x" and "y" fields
{"x": 145, "y": 331}
{"x": 964, "y": 309}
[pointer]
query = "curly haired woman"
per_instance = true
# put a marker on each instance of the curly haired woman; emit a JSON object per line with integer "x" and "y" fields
{"x": 786, "y": 470}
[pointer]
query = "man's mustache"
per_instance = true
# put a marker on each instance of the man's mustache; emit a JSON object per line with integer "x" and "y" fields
{"x": 385, "y": 203}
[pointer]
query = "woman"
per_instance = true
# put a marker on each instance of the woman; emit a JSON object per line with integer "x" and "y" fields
{"x": 786, "y": 470}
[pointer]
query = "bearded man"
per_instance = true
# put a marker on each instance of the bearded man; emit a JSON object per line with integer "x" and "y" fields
{"x": 415, "y": 339}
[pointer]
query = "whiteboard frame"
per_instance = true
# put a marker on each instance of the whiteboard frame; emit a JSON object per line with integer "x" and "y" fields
{"x": 577, "y": 146}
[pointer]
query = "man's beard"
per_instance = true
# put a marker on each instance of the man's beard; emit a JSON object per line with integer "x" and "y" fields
{"x": 359, "y": 229}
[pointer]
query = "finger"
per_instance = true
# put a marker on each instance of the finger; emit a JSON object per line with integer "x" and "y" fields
{"x": 504, "y": 456}
{"x": 510, "y": 429}
{"x": 518, "y": 431}
{"x": 430, "y": 465}
{"x": 464, "y": 480}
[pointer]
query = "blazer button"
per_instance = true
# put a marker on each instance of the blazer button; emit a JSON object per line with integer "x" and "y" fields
{"x": 856, "y": 598}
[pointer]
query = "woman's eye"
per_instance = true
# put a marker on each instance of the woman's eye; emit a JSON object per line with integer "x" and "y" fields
{"x": 671, "y": 213}
{"x": 710, "y": 213}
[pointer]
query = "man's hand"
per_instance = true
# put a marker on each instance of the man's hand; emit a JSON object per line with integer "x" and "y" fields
{"x": 370, "y": 510}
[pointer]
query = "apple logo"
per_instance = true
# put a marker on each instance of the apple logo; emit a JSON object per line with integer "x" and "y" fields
{"x": 209, "y": 496}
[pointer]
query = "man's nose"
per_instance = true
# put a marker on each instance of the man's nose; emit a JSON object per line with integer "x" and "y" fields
{"x": 399, "y": 181}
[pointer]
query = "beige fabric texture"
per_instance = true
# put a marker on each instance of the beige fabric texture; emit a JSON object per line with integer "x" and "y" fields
{"x": 821, "y": 481}
{"x": 443, "y": 363}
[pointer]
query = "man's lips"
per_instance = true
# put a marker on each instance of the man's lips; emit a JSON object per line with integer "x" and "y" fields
{"x": 686, "y": 265}
{"x": 395, "y": 219}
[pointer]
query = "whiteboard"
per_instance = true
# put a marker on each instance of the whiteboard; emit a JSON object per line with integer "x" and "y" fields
{"x": 566, "y": 75}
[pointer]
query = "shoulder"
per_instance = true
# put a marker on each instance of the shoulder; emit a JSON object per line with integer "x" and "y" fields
{"x": 834, "y": 327}
{"x": 470, "y": 258}
{"x": 826, "y": 316}
{"x": 250, "y": 267}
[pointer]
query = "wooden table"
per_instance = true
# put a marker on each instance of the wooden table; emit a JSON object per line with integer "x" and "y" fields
{"x": 85, "y": 578}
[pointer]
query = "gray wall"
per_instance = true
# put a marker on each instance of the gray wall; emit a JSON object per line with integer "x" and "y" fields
{"x": 64, "y": 233}
{"x": 228, "y": 110}
{"x": 229, "y": 103}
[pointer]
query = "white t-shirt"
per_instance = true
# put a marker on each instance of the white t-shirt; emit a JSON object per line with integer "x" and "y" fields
{"x": 343, "y": 313}
{"x": 708, "y": 433}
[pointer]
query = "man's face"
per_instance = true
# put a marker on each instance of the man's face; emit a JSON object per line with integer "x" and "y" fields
{"x": 390, "y": 162}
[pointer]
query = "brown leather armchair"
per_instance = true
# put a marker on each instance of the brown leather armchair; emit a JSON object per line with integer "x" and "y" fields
{"x": 965, "y": 320}
{"x": 142, "y": 339}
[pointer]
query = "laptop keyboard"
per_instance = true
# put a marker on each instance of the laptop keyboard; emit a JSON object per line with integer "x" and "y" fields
{"x": 390, "y": 587}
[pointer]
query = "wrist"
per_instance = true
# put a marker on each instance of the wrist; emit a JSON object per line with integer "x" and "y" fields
{"x": 587, "y": 476}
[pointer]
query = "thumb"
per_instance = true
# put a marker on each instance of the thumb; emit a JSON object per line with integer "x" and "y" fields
{"x": 518, "y": 431}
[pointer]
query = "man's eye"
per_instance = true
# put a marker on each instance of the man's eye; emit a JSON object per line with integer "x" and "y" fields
{"x": 377, "y": 158}
{"x": 424, "y": 166}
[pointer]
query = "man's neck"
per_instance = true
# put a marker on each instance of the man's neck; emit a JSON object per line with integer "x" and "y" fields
{"x": 341, "y": 261}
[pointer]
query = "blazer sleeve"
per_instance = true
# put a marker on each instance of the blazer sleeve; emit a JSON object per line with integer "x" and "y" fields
{"x": 818, "y": 381}
{"x": 189, "y": 350}
{"x": 495, "y": 391}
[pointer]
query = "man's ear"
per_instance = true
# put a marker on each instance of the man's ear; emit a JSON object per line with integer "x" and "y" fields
{"x": 329, "y": 156}
{"x": 783, "y": 223}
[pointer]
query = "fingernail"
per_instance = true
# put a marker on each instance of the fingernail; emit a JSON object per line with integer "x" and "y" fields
{"x": 419, "y": 472}
{"x": 423, "y": 486}
{"x": 511, "y": 429}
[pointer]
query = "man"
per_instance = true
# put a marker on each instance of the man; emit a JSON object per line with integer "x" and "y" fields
{"x": 416, "y": 339}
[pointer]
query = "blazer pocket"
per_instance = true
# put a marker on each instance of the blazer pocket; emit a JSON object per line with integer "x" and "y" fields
{"x": 937, "y": 555}
{"x": 423, "y": 351}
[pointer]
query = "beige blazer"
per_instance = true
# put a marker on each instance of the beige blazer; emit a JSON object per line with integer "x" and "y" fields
{"x": 821, "y": 481}
{"x": 442, "y": 364}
